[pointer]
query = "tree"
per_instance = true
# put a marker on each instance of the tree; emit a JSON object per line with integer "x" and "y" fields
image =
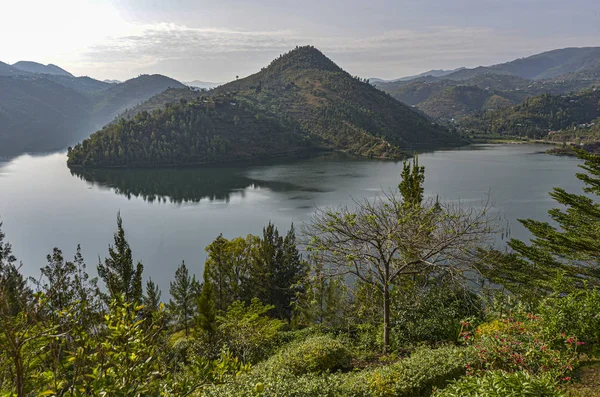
{"x": 277, "y": 271}
{"x": 570, "y": 250}
{"x": 248, "y": 330}
{"x": 184, "y": 291}
{"x": 384, "y": 240}
{"x": 227, "y": 269}
{"x": 118, "y": 271}
{"x": 151, "y": 299}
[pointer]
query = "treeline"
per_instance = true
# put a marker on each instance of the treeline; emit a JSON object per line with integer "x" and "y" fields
{"x": 537, "y": 116}
{"x": 385, "y": 276}
{"x": 196, "y": 132}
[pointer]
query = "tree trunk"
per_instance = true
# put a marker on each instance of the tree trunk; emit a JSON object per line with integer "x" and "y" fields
{"x": 386, "y": 319}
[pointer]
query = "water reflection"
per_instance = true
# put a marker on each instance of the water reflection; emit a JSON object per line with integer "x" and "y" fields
{"x": 189, "y": 185}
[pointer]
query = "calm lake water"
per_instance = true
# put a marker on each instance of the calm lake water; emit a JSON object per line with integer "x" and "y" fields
{"x": 171, "y": 215}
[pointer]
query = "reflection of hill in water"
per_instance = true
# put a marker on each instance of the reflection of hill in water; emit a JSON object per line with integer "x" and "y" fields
{"x": 177, "y": 185}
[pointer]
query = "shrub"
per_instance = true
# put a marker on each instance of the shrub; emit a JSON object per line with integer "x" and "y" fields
{"x": 417, "y": 375}
{"x": 315, "y": 354}
{"x": 502, "y": 384}
{"x": 279, "y": 384}
{"x": 249, "y": 332}
{"x": 576, "y": 314}
{"x": 519, "y": 344}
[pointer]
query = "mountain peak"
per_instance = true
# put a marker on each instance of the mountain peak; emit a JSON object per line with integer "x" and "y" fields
{"x": 304, "y": 57}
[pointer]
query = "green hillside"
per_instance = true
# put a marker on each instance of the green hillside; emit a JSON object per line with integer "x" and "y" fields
{"x": 342, "y": 112}
{"x": 537, "y": 116}
{"x": 185, "y": 133}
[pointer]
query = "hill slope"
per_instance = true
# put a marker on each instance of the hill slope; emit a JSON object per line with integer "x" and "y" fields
{"x": 553, "y": 72}
{"x": 38, "y": 114}
{"x": 537, "y": 116}
{"x": 41, "y": 112}
{"x": 185, "y": 133}
{"x": 345, "y": 113}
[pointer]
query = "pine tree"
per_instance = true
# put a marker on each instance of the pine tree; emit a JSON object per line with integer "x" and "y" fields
{"x": 572, "y": 248}
{"x": 118, "y": 271}
{"x": 288, "y": 275}
{"x": 184, "y": 291}
{"x": 411, "y": 187}
{"x": 151, "y": 298}
{"x": 207, "y": 316}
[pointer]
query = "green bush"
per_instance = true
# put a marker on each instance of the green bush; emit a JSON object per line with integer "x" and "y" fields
{"x": 576, "y": 314}
{"x": 279, "y": 384}
{"x": 315, "y": 354}
{"x": 417, "y": 375}
{"x": 502, "y": 384}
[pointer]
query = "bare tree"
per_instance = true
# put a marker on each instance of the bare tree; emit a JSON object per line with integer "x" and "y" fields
{"x": 385, "y": 239}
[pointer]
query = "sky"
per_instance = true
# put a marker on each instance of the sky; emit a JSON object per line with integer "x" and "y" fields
{"x": 219, "y": 39}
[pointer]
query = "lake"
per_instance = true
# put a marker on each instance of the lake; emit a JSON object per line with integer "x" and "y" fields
{"x": 171, "y": 215}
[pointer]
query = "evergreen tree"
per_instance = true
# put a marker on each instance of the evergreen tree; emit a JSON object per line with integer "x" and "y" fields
{"x": 411, "y": 186}
{"x": 118, "y": 271}
{"x": 571, "y": 248}
{"x": 207, "y": 316}
{"x": 184, "y": 291}
{"x": 151, "y": 299}
{"x": 14, "y": 292}
{"x": 288, "y": 276}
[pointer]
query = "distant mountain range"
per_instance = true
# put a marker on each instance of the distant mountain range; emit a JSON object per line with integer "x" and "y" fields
{"x": 469, "y": 91}
{"x": 430, "y": 73}
{"x": 44, "y": 107}
{"x": 301, "y": 102}
{"x": 202, "y": 84}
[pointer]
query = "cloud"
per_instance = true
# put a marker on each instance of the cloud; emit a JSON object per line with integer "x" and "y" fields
{"x": 183, "y": 51}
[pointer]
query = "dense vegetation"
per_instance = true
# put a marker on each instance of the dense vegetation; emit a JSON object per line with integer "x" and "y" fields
{"x": 201, "y": 131}
{"x": 306, "y": 91}
{"x": 41, "y": 112}
{"x": 541, "y": 116}
{"x": 400, "y": 274}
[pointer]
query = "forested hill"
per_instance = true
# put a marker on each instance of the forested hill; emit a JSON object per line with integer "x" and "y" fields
{"x": 306, "y": 86}
{"x": 538, "y": 116}
{"x": 345, "y": 112}
{"x": 205, "y": 130}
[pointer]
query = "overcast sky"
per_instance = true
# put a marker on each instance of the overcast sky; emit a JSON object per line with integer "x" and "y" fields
{"x": 218, "y": 39}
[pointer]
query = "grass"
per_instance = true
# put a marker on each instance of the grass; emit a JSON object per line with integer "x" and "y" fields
{"x": 587, "y": 380}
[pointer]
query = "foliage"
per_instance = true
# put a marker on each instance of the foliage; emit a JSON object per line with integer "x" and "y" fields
{"x": 502, "y": 384}
{"x": 249, "y": 332}
{"x": 268, "y": 268}
{"x": 576, "y": 314}
{"x": 184, "y": 291}
{"x": 118, "y": 271}
{"x": 390, "y": 240}
{"x": 315, "y": 354}
{"x": 195, "y": 132}
{"x": 418, "y": 375}
{"x": 567, "y": 249}
{"x": 520, "y": 342}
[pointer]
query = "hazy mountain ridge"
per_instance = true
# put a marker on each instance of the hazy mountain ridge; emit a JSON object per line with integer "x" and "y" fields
{"x": 38, "y": 68}
{"x": 41, "y": 112}
{"x": 555, "y": 72}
